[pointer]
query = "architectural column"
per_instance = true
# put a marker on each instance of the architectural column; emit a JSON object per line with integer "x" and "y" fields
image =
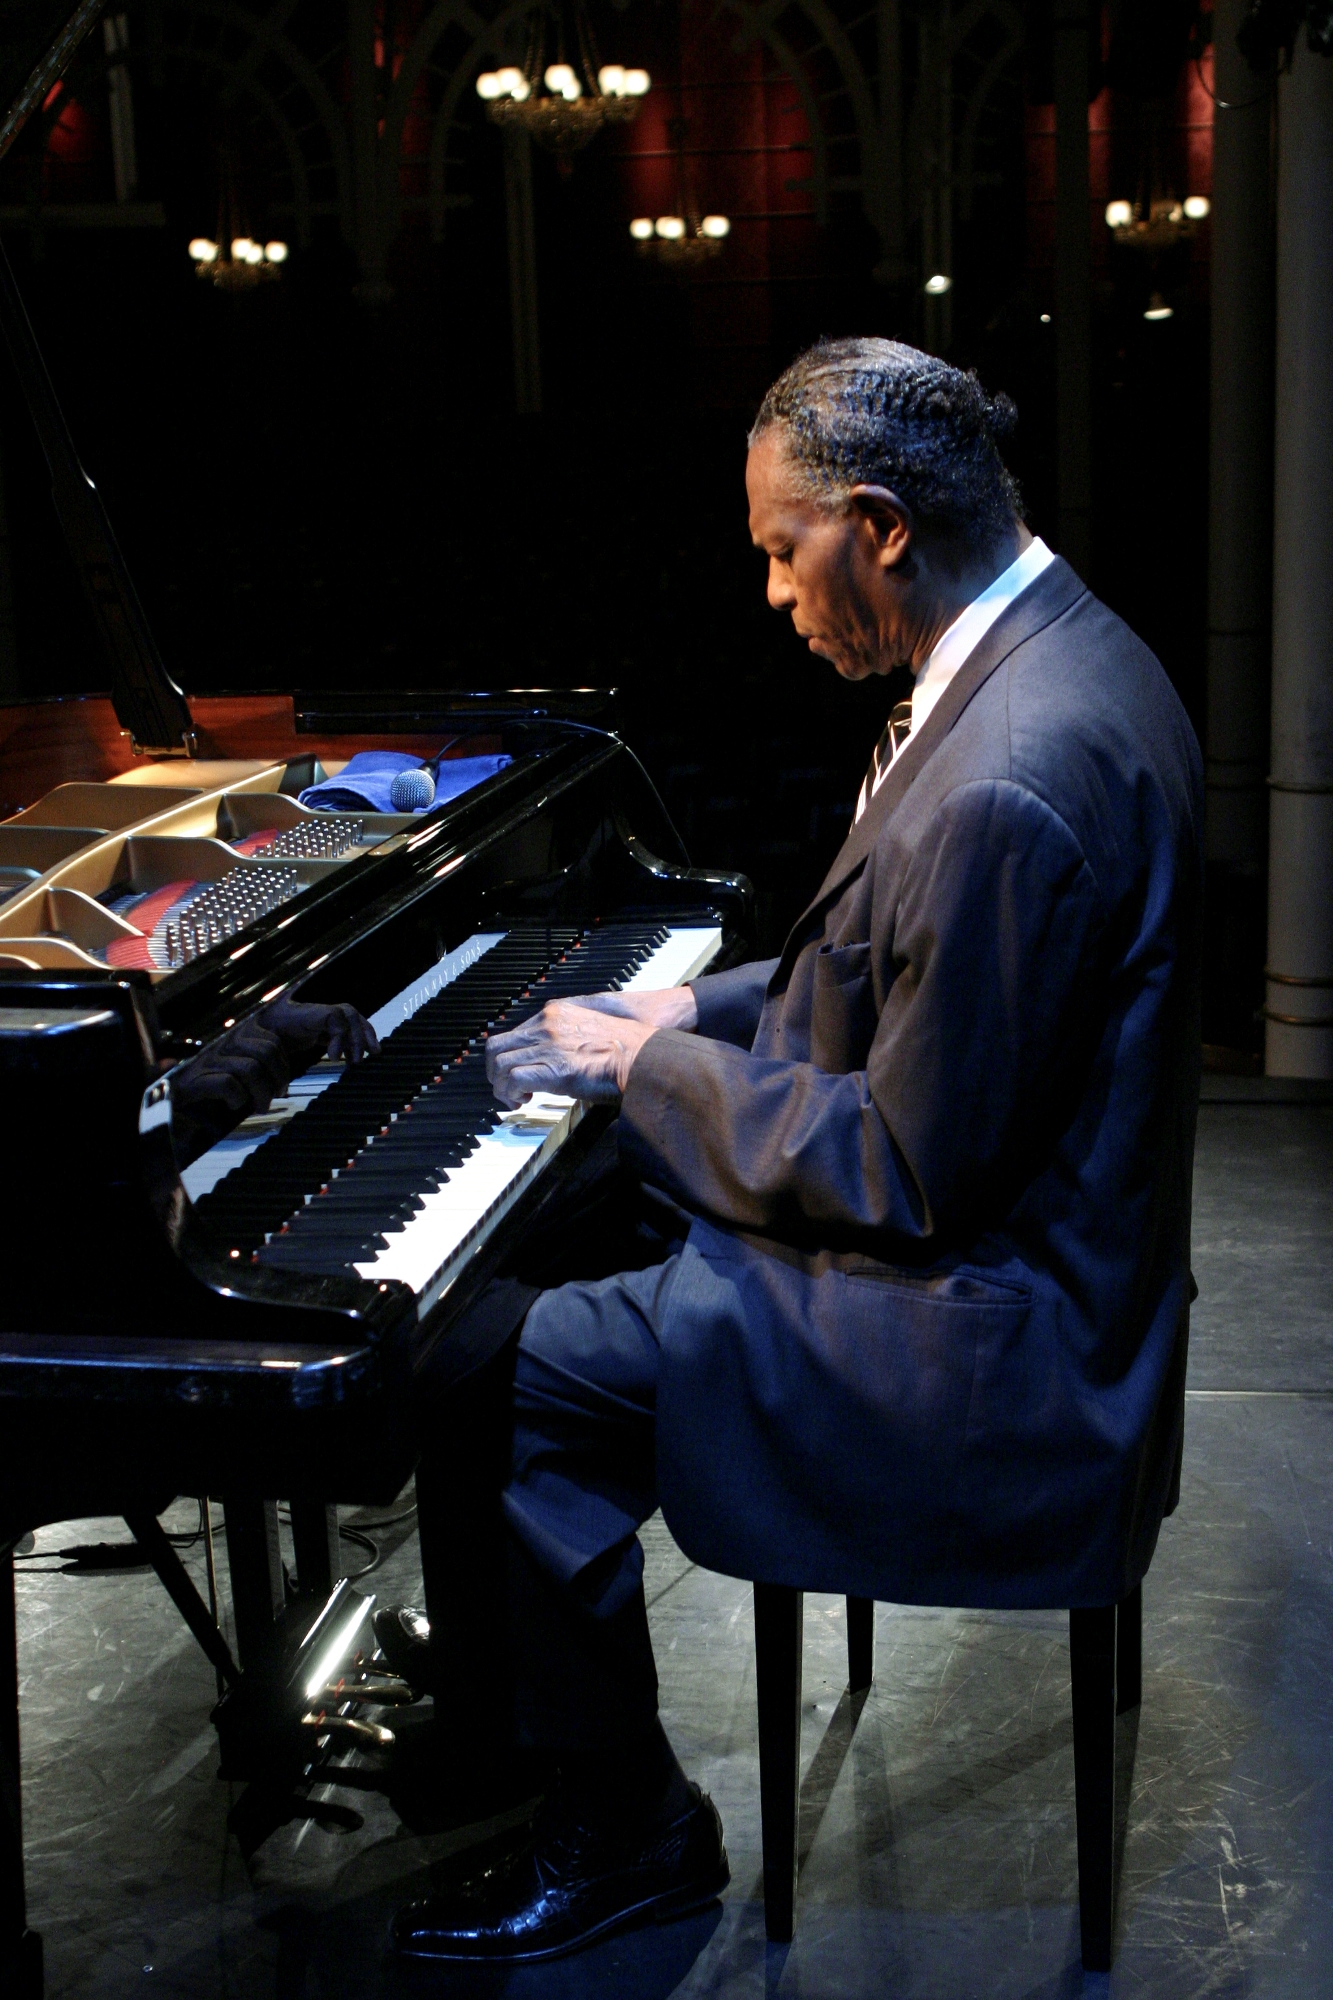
{"x": 1299, "y": 1038}
{"x": 364, "y": 109}
{"x": 893, "y": 267}
{"x": 522, "y": 271}
{"x": 1073, "y": 285}
{"x": 1240, "y": 537}
{"x": 120, "y": 105}
{"x": 1240, "y": 454}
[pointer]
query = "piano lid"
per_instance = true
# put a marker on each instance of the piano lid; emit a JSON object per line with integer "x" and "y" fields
{"x": 38, "y": 41}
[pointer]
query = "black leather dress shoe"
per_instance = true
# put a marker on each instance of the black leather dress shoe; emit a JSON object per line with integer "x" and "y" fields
{"x": 568, "y": 1884}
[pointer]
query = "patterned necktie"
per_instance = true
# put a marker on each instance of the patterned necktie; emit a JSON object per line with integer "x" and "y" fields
{"x": 895, "y": 733}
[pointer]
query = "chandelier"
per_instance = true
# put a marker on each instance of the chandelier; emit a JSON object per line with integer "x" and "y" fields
{"x": 1155, "y": 225}
{"x": 561, "y": 105}
{"x": 246, "y": 265}
{"x": 680, "y": 240}
{"x": 686, "y": 239}
{"x": 233, "y": 260}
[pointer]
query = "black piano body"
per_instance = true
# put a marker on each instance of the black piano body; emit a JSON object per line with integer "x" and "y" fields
{"x": 144, "y": 1355}
{"x": 140, "y": 1356}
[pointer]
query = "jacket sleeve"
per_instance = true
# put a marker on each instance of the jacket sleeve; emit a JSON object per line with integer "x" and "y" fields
{"x": 730, "y": 1003}
{"x": 989, "y": 990}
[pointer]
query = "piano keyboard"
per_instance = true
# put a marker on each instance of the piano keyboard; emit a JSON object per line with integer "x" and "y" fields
{"x": 401, "y": 1167}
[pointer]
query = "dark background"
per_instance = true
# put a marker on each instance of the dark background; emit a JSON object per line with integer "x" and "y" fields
{"x": 316, "y": 491}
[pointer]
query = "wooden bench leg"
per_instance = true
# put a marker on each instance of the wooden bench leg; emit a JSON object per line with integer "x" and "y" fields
{"x": 1129, "y": 1651}
{"x": 1092, "y": 1670}
{"x": 860, "y": 1643}
{"x": 778, "y": 1612}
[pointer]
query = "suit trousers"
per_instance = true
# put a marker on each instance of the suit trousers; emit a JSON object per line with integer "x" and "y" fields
{"x": 539, "y": 1469}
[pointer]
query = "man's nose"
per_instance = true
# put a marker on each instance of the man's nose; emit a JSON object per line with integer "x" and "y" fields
{"x": 781, "y": 591}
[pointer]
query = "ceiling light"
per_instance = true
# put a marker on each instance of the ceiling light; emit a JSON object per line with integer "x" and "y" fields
{"x": 937, "y": 286}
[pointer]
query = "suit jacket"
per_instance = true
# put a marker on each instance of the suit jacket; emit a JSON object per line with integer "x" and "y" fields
{"x": 927, "y": 1340}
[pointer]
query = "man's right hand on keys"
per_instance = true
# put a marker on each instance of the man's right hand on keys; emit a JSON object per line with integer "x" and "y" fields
{"x": 671, "y": 1007}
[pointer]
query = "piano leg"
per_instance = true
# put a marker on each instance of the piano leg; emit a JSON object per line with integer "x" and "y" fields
{"x": 317, "y": 1547}
{"x": 254, "y": 1558}
{"x": 20, "y": 1948}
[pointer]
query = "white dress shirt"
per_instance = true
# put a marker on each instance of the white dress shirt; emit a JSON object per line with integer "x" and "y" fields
{"x": 962, "y": 638}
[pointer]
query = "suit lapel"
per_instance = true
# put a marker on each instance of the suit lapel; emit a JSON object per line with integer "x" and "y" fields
{"x": 1045, "y": 599}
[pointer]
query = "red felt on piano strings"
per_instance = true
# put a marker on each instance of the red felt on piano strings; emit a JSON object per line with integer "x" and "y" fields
{"x": 133, "y": 952}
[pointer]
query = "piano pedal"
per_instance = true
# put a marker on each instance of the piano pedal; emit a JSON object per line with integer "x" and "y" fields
{"x": 288, "y": 1714}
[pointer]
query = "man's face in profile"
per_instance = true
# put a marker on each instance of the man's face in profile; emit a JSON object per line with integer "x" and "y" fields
{"x": 822, "y": 567}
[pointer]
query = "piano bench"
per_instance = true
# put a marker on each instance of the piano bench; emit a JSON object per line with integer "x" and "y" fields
{"x": 1105, "y": 1662}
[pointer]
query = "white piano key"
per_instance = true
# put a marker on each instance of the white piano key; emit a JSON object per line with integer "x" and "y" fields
{"x": 430, "y": 1249}
{"x": 682, "y": 956}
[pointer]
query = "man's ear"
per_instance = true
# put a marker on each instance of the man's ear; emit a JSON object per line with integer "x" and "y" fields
{"x": 888, "y": 520}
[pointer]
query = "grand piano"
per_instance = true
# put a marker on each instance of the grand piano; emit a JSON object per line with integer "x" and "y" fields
{"x": 258, "y": 1325}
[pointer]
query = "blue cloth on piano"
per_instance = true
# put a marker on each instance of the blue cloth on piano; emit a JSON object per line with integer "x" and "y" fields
{"x": 366, "y": 781}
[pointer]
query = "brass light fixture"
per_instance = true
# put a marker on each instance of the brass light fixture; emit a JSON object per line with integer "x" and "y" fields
{"x": 234, "y": 261}
{"x": 561, "y": 104}
{"x": 686, "y": 239}
{"x": 240, "y": 265}
{"x": 1155, "y": 225}
{"x": 680, "y": 239}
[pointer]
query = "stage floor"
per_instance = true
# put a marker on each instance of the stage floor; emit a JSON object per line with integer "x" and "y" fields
{"x": 937, "y": 1830}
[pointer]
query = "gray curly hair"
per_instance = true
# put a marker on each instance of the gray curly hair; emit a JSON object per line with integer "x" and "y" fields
{"x": 877, "y": 413}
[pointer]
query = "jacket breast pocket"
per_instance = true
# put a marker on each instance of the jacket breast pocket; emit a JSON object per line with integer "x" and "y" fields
{"x": 842, "y": 1013}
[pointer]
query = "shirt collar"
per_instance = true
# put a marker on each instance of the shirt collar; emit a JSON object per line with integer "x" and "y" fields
{"x": 970, "y": 627}
{"x": 962, "y": 638}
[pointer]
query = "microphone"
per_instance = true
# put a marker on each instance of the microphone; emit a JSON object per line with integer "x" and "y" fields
{"x": 412, "y": 791}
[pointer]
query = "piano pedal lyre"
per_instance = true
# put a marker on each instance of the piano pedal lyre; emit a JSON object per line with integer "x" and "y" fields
{"x": 295, "y": 1712}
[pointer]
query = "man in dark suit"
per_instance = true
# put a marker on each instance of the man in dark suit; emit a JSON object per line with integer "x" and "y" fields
{"x": 922, "y": 1335}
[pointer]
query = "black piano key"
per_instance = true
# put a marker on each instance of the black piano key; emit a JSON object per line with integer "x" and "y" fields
{"x": 434, "y": 1064}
